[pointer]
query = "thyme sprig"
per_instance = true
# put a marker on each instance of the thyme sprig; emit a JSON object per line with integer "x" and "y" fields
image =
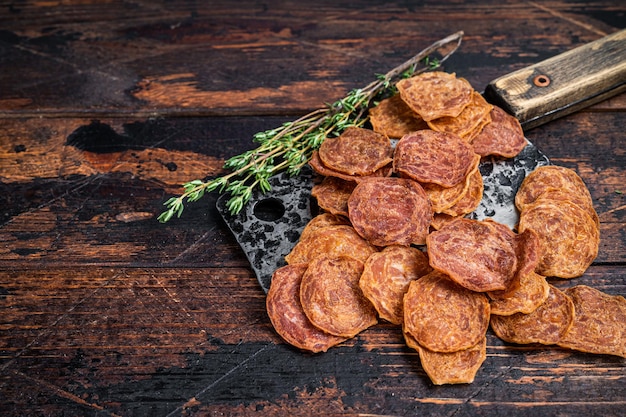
{"x": 289, "y": 146}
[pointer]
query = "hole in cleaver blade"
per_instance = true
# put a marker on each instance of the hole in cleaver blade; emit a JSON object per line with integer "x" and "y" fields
{"x": 269, "y": 226}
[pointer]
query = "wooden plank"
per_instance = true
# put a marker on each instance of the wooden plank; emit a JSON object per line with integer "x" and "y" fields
{"x": 238, "y": 58}
{"x": 123, "y": 340}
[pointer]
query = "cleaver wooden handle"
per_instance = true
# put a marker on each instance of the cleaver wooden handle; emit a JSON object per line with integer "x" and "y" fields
{"x": 563, "y": 84}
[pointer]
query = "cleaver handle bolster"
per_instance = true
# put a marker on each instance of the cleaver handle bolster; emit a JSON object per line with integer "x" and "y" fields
{"x": 563, "y": 84}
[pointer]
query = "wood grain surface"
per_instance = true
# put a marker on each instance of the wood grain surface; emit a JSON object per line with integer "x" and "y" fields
{"x": 107, "y": 107}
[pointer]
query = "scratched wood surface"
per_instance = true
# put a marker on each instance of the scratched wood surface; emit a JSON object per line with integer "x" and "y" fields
{"x": 107, "y": 107}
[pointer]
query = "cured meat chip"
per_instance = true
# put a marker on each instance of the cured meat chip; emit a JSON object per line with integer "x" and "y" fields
{"x": 458, "y": 367}
{"x": 287, "y": 316}
{"x": 471, "y": 198}
{"x": 386, "y": 278}
{"x": 357, "y": 151}
{"x": 394, "y": 119}
{"x": 467, "y": 123}
{"x": 318, "y": 166}
{"x": 556, "y": 183}
{"x": 331, "y": 240}
{"x": 599, "y": 323}
{"x": 546, "y": 325}
{"x": 323, "y": 220}
{"x": 443, "y": 198}
{"x": 331, "y": 297}
{"x": 332, "y": 195}
{"x": 435, "y": 94}
{"x": 390, "y": 211}
{"x": 479, "y": 255}
{"x": 503, "y": 136}
{"x": 433, "y": 157}
{"x": 531, "y": 293}
{"x": 442, "y": 316}
{"x": 568, "y": 237}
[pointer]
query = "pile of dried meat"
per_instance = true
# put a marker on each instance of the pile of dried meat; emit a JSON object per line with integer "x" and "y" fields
{"x": 393, "y": 241}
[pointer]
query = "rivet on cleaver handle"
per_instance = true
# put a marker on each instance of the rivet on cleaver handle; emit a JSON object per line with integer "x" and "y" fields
{"x": 563, "y": 84}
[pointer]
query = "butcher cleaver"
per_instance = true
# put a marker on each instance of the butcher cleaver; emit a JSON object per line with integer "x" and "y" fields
{"x": 269, "y": 226}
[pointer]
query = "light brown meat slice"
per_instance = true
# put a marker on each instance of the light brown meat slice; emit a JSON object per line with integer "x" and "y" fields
{"x": 386, "y": 278}
{"x": 503, "y": 136}
{"x": 458, "y": 367}
{"x": 332, "y": 195}
{"x": 331, "y": 297}
{"x": 443, "y": 316}
{"x": 394, "y": 119}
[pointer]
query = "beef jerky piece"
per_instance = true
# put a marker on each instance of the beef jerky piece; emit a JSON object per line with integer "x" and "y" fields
{"x": 390, "y": 211}
{"x": 568, "y": 237}
{"x": 332, "y": 195}
{"x": 386, "y": 278}
{"x": 458, "y": 367}
{"x": 357, "y": 151}
{"x": 287, "y": 316}
{"x": 532, "y": 292}
{"x": 331, "y": 297}
{"x": 442, "y": 316}
{"x": 323, "y": 220}
{"x": 435, "y": 94}
{"x": 551, "y": 178}
{"x": 599, "y": 323}
{"x": 434, "y": 157}
{"x": 503, "y": 136}
{"x": 546, "y": 325}
{"x": 331, "y": 240}
{"x": 318, "y": 166}
{"x": 394, "y": 119}
{"x": 479, "y": 255}
{"x": 474, "y": 115}
{"x": 470, "y": 200}
{"x": 443, "y": 198}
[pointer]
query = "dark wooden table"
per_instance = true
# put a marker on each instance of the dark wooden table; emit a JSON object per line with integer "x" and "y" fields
{"x": 106, "y": 108}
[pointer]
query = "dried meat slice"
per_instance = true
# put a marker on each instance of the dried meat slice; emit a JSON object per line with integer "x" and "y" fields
{"x": 287, "y": 316}
{"x": 331, "y": 297}
{"x": 323, "y": 220}
{"x": 390, "y": 211}
{"x": 474, "y": 115}
{"x": 331, "y": 240}
{"x": 435, "y": 94}
{"x": 357, "y": 151}
{"x": 599, "y": 323}
{"x": 546, "y": 325}
{"x": 479, "y": 255}
{"x": 318, "y": 166}
{"x": 434, "y": 157}
{"x": 458, "y": 367}
{"x": 394, "y": 119}
{"x": 442, "y": 316}
{"x": 470, "y": 200}
{"x": 386, "y": 278}
{"x": 443, "y": 198}
{"x": 569, "y": 238}
{"x": 503, "y": 136}
{"x": 551, "y": 178}
{"x": 532, "y": 292}
{"x": 332, "y": 195}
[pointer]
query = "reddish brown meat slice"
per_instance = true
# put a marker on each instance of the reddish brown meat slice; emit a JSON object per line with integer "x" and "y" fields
{"x": 390, "y": 211}
{"x": 434, "y": 157}
{"x": 479, "y": 255}
{"x": 287, "y": 316}
{"x": 357, "y": 151}
{"x": 502, "y": 136}
{"x": 332, "y": 195}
